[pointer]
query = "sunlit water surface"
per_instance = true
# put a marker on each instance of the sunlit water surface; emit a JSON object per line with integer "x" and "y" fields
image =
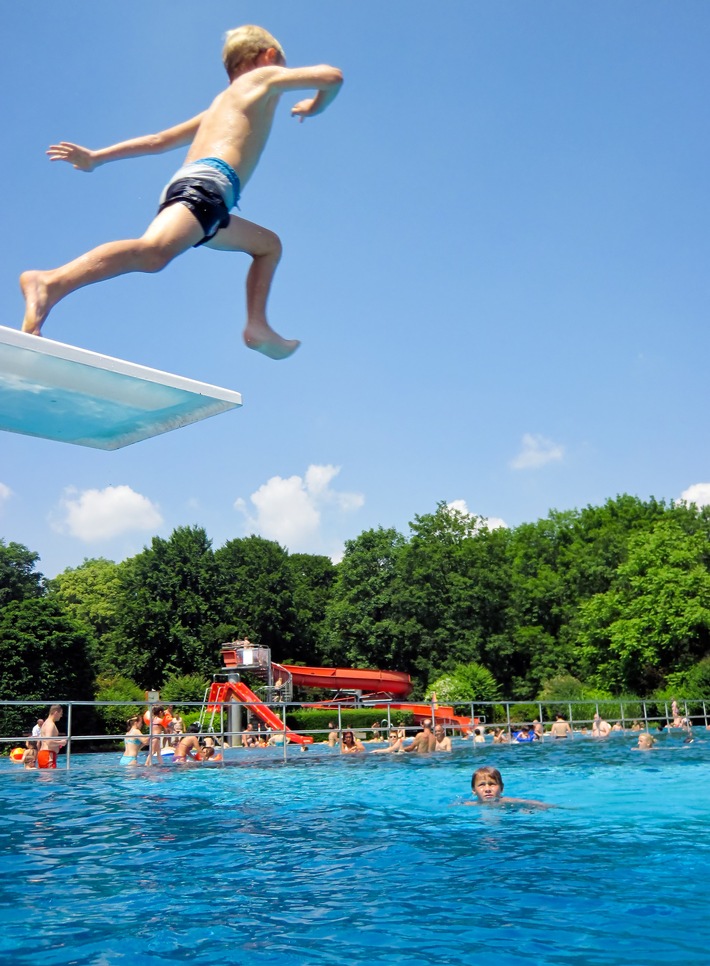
{"x": 362, "y": 860}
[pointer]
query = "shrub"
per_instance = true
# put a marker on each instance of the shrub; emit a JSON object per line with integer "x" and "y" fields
{"x": 466, "y": 682}
{"x": 113, "y": 717}
{"x": 183, "y": 687}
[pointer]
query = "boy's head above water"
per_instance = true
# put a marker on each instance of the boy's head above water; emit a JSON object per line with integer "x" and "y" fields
{"x": 487, "y": 784}
{"x": 243, "y": 45}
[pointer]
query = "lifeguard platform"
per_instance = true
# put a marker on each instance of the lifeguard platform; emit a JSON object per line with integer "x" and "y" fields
{"x": 60, "y": 392}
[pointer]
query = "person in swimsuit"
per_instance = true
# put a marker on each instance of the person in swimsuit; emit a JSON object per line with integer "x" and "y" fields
{"x": 561, "y": 727}
{"x": 225, "y": 142}
{"x": 29, "y": 759}
{"x": 443, "y": 742}
{"x": 49, "y": 744}
{"x": 424, "y": 741}
{"x": 394, "y": 744}
{"x": 134, "y": 741}
{"x": 155, "y": 719}
{"x": 188, "y": 746}
{"x": 350, "y": 745}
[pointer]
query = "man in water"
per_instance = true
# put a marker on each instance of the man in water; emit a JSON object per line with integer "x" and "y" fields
{"x": 425, "y": 741}
{"x": 49, "y": 744}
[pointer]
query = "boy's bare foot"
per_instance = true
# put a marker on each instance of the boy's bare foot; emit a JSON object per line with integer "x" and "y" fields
{"x": 37, "y": 304}
{"x": 263, "y": 339}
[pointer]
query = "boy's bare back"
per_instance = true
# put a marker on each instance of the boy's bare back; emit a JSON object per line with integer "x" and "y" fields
{"x": 237, "y": 124}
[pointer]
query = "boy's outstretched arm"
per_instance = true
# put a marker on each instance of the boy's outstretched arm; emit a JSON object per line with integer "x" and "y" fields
{"x": 84, "y": 159}
{"x": 325, "y": 80}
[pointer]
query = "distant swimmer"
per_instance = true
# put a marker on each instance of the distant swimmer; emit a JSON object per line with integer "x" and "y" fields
{"x": 645, "y": 742}
{"x": 225, "y": 144}
{"x": 487, "y": 786}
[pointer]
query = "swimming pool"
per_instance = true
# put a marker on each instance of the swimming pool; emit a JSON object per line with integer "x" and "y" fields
{"x": 362, "y": 860}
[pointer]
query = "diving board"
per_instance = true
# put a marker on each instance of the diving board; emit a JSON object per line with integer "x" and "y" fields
{"x": 57, "y": 391}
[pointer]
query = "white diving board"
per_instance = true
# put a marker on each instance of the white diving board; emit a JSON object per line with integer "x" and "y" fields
{"x": 60, "y": 392}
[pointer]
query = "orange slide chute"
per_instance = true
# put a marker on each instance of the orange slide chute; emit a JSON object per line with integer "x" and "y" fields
{"x": 358, "y": 679}
{"x": 223, "y": 692}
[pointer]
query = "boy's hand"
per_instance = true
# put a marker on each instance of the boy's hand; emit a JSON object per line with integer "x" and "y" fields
{"x": 303, "y": 109}
{"x": 81, "y": 158}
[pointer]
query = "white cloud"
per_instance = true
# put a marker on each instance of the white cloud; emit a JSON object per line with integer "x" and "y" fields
{"x": 492, "y": 523}
{"x": 296, "y": 511}
{"x": 93, "y": 515}
{"x": 536, "y": 452}
{"x": 698, "y": 493}
{"x": 5, "y": 493}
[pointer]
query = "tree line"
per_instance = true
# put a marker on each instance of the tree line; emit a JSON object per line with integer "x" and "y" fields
{"x": 604, "y": 601}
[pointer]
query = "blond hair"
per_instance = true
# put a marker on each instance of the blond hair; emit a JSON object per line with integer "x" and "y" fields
{"x": 244, "y": 44}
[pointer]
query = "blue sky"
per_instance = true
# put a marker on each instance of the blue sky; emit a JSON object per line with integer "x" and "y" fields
{"x": 495, "y": 253}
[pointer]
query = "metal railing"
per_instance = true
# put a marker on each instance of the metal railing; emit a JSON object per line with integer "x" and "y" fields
{"x": 485, "y": 715}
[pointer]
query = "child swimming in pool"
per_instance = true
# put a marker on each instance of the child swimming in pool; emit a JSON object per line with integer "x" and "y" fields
{"x": 487, "y": 786}
{"x": 645, "y": 742}
{"x": 225, "y": 144}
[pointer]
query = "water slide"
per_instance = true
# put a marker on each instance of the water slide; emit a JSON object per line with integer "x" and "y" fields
{"x": 224, "y": 691}
{"x": 358, "y": 679}
{"x": 395, "y": 683}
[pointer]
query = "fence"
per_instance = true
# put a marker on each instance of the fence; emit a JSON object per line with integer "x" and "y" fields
{"x": 510, "y": 715}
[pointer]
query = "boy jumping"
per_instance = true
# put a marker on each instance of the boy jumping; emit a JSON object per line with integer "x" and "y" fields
{"x": 226, "y": 142}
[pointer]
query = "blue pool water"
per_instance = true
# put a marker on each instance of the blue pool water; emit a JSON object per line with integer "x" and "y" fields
{"x": 361, "y": 860}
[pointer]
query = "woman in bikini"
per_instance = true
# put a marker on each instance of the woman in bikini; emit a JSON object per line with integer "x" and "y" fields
{"x": 134, "y": 741}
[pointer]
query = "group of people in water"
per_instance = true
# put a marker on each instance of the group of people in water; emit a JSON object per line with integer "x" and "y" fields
{"x": 168, "y": 740}
{"x": 43, "y": 743}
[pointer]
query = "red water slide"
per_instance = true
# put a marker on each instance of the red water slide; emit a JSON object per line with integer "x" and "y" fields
{"x": 223, "y": 691}
{"x": 358, "y": 679}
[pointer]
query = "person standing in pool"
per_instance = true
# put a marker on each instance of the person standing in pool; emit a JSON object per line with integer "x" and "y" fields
{"x": 423, "y": 742}
{"x": 441, "y": 739}
{"x": 560, "y": 727}
{"x": 50, "y": 743}
{"x": 225, "y": 144}
{"x": 133, "y": 742}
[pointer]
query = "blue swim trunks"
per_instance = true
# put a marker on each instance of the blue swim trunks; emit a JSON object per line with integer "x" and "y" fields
{"x": 210, "y": 188}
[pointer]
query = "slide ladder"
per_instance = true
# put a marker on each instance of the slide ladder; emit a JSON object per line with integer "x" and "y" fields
{"x": 224, "y": 691}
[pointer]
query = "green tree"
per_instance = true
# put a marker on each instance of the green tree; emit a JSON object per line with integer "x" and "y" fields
{"x": 312, "y": 581}
{"x": 166, "y": 610}
{"x": 655, "y": 619}
{"x": 18, "y": 578}
{"x": 43, "y": 657}
{"x": 465, "y": 682}
{"x": 452, "y": 593}
{"x": 362, "y": 629}
{"x": 114, "y": 717}
{"x": 91, "y": 593}
{"x": 255, "y": 593}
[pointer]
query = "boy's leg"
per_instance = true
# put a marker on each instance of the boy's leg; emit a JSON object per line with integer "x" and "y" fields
{"x": 265, "y": 249}
{"x": 171, "y": 232}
